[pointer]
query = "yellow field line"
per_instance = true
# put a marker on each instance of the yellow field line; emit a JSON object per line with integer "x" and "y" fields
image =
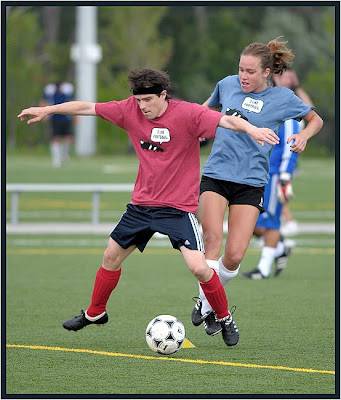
{"x": 153, "y": 251}
{"x": 142, "y": 357}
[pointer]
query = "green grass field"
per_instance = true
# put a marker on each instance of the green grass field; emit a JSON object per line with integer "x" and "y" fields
{"x": 287, "y": 325}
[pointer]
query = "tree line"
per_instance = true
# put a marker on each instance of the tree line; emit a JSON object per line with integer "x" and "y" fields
{"x": 197, "y": 45}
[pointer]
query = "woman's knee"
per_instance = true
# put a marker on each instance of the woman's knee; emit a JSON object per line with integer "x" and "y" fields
{"x": 231, "y": 260}
{"x": 212, "y": 239}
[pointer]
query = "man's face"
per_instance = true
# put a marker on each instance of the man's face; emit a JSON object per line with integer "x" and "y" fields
{"x": 152, "y": 105}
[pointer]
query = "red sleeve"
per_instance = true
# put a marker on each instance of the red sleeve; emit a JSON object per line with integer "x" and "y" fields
{"x": 206, "y": 121}
{"x": 112, "y": 111}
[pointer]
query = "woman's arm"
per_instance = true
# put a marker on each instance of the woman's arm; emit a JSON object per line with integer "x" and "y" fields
{"x": 68, "y": 108}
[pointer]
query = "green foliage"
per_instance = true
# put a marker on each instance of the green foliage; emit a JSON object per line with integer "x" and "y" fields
{"x": 208, "y": 47}
{"x": 23, "y": 74}
{"x": 321, "y": 83}
{"x": 128, "y": 43}
{"x": 313, "y": 43}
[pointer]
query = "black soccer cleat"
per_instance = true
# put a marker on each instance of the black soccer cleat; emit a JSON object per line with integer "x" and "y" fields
{"x": 196, "y": 316}
{"x": 211, "y": 324}
{"x": 255, "y": 275}
{"x": 80, "y": 321}
{"x": 281, "y": 261}
{"x": 230, "y": 331}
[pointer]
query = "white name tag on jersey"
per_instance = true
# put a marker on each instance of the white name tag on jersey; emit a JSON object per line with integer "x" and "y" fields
{"x": 253, "y": 105}
{"x": 160, "y": 135}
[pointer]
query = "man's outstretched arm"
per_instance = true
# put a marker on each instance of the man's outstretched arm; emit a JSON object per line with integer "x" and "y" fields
{"x": 68, "y": 108}
{"x": 260, "y": 135}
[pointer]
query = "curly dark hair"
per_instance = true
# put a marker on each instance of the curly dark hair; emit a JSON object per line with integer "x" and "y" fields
{"x": 147, "y": 78}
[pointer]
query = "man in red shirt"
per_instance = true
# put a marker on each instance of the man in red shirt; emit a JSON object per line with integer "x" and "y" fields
{"x": 165, "y": 134}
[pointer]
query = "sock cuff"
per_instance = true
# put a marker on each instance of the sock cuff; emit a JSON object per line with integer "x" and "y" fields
{"x": 92, "y": 319}
{"x": 105, "y": 273}
{"x": 211, "y": 284}
{"x": 268, "y": 250}
{"x": 235, "y": 272}
{"x": 214, "y": 264}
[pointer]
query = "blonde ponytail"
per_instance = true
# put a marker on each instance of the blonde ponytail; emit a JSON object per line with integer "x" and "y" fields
{"x": 281, "y": 55}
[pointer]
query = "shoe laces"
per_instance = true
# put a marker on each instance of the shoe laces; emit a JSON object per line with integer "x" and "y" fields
{"x": 229, "y": 318}
{"x": 197, "y": 300}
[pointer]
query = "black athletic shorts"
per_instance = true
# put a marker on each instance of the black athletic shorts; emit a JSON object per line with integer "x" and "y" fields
{"x": 61, "y": 127}
{"x": 138, "y": 224}
{"x": 235, "y": 193}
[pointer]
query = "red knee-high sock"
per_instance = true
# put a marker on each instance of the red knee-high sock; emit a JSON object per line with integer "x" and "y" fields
{"x": 216, "y": 296}
{"x": 105, "y": 283}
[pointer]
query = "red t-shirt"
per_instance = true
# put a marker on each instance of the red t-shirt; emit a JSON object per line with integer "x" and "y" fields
{"x": 168, "y": 149}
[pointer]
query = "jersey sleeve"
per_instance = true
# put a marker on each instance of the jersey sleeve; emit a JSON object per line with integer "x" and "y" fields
{"x": 204, "y": 121}
{"x": 112, "y": 111}
{"x": 215, "y": 97}
{"x": 296, "y": 108}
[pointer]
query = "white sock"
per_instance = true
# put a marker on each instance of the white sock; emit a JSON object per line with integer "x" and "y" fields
{"x": 266, "y": 259}
{"x": 225, "y": 275}
{"x": 206, "y": 307}
{"x": 66, "y": 150}
{"x": 279, "y": 249}
{"x": 56, "y": 154}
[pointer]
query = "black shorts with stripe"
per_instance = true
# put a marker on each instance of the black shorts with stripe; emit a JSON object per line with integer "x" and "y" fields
{"x": 138, "y": 224}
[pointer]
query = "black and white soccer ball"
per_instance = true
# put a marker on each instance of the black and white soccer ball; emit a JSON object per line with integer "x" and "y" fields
{"x": 165, "y": 334}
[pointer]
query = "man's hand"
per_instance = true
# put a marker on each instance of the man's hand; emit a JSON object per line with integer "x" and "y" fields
{"x": 261, "y": 135}
{"x": 38, "y": 113}
{"x": 284, "y": 188}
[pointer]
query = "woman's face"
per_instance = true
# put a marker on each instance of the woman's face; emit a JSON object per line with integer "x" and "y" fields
{"x": 252, "y": 77}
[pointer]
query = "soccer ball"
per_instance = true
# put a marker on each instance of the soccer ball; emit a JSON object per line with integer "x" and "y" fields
{"x": 165, "y": 334}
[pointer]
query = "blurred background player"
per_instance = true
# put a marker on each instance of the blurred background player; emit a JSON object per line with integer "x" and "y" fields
{"x": 278, "y": 193}
{"x": 60, "y": 125}
{"x": 289, "y": 226}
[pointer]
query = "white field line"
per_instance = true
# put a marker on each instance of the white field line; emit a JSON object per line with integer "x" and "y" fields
{"x": 74, "y": 214}
{"x": 159, "y": 242}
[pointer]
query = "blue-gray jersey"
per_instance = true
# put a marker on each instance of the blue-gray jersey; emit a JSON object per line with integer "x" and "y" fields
{"x": 235, "y": 156}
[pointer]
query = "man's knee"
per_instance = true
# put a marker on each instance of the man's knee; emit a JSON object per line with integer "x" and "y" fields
{"x": 112, "y": 258}
{"x": 202, "y": 272}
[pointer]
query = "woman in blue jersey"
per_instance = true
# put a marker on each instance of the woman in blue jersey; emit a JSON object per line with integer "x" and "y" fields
{"x": 237, "y": 169}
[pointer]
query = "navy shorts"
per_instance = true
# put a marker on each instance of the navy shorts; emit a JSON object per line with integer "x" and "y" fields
{"x": 235, "y": 193}
{"x": 61, "y": 127}
{"x": 138, "y": 224}
{"x": 271, "y": 219}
